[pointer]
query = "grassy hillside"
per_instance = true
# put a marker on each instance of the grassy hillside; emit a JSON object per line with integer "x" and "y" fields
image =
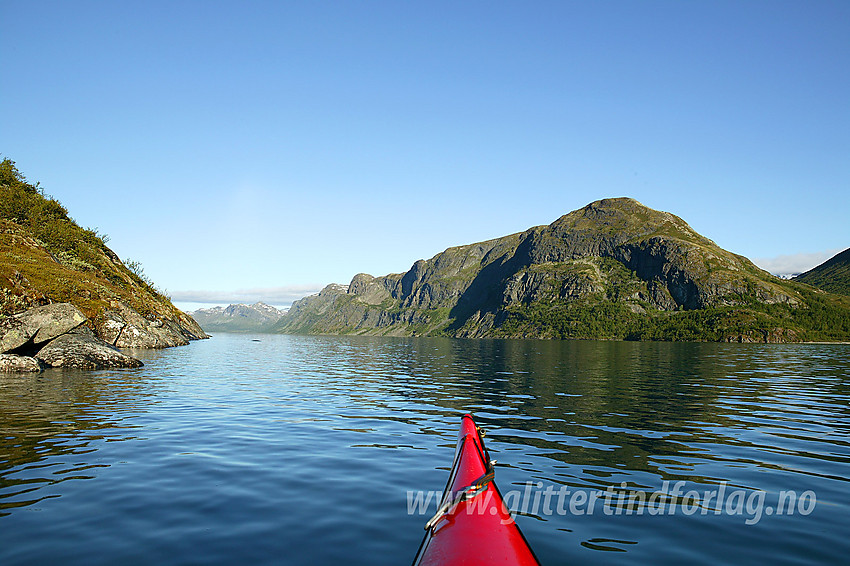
{"x": 822, "y": 317}
{"x": 614, "y": 269}
{"x": 832, "y": 275}
{"x": 47, "y": 257}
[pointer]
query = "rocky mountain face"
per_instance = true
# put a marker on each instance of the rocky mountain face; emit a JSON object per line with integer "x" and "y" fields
{"x": 613, "y": 269}
{"x": 258, "y": 317}
{"x": 833, "y": 275}
{"x": 46, "y": 258}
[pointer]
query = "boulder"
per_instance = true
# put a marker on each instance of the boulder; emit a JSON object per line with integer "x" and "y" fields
{"x": 40, "y": 325}
{"x": 53, "y": 320}
{"x": 81, "y": 349}
{"x": 19, "y": 364}
{"x": 14, "y": 334}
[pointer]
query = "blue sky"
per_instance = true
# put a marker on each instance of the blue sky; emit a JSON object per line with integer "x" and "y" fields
{"x": 259, "y": 150}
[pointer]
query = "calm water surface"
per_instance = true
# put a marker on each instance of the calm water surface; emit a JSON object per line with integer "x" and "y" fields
{"x": 302, "y": 450}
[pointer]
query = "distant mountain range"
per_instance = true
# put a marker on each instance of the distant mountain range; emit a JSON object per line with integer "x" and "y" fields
{"x": 614, "y": 269}
{"x": 833, "y": 275}
{"x": 258, "y": 317}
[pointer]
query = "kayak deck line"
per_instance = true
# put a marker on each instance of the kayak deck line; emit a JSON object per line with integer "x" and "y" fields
{"x": 473, "y": 526}
{"x": 464, "y": 494}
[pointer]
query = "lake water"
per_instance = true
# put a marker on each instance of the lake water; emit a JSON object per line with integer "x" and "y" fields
{"x": 307, "y": 450}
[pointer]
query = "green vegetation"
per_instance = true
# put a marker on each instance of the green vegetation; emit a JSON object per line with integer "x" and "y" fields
{"x": 824, "y": 317}
{"x": 45, "y": 218}
{"x": 566, "y": 319}
{"x": 833, "y": 275}
{"x": 614, "y": 269}
{"x": 47, "y": 257}
{"x": 10, "y": 303}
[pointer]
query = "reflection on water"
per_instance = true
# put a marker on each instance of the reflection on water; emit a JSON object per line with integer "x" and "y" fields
{"x": 233, "y": 450}
{"x": 50, "y": 421}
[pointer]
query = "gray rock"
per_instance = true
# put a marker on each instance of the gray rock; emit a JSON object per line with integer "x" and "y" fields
{"x": 19, "y": 364}
{"x": 111, "y": 326}
{"x": 126, "y": 328}
{"x": 49, "y": 321}
{"x": 81, "y": 349}
{"x": 14, "y": 334}
{"x": 39, "y": 325}
{"x": 53, "y": 320}
{"x": 368, "y": 289}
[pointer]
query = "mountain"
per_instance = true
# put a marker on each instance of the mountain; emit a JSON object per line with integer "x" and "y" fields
{"x": 613, "y": 269}
{"x": 258, "y": 317}
{"x": 46, "y": 258}
{"x": 833, "y": 275}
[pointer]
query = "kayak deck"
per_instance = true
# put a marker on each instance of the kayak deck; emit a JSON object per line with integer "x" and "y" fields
{"x": 473, "y": 525}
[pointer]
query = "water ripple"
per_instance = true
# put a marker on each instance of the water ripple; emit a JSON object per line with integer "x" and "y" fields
{"x": 233, "y": 451}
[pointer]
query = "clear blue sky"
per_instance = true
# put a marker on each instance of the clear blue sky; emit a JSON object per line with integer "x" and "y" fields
{"x": 281, "y": 146}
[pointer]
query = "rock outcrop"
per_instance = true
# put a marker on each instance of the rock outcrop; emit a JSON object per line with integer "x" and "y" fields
{"x": 19, "y": 364}
{"x": 13, "y": 335}
{"x": 39, "y": 324}
{"x": 81, "y": 349}
{"x": 55, "y": 336}
{"x": 123, "y": 327}
{"x": 613, "y": 269}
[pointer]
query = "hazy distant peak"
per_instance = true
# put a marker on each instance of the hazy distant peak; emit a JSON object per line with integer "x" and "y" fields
{"x": 238, "y": 317}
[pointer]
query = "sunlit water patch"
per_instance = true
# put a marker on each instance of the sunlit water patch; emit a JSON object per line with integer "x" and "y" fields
{"x": 308, "y": 450}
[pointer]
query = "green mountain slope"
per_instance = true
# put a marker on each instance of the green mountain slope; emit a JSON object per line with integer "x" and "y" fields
{"x": 45, "y": 257}
{"x": 833, "y": 275}
{"x": 613, "y": 269}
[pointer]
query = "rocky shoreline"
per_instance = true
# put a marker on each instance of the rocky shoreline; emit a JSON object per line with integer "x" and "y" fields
{"x": 58, "y": 336}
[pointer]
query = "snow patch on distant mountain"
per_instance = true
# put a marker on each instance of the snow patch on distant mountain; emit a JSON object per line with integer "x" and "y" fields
{"x": 238, "y": 318}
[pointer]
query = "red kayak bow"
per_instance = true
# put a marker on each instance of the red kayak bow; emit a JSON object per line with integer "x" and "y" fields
{"x": 472, "y": 525}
